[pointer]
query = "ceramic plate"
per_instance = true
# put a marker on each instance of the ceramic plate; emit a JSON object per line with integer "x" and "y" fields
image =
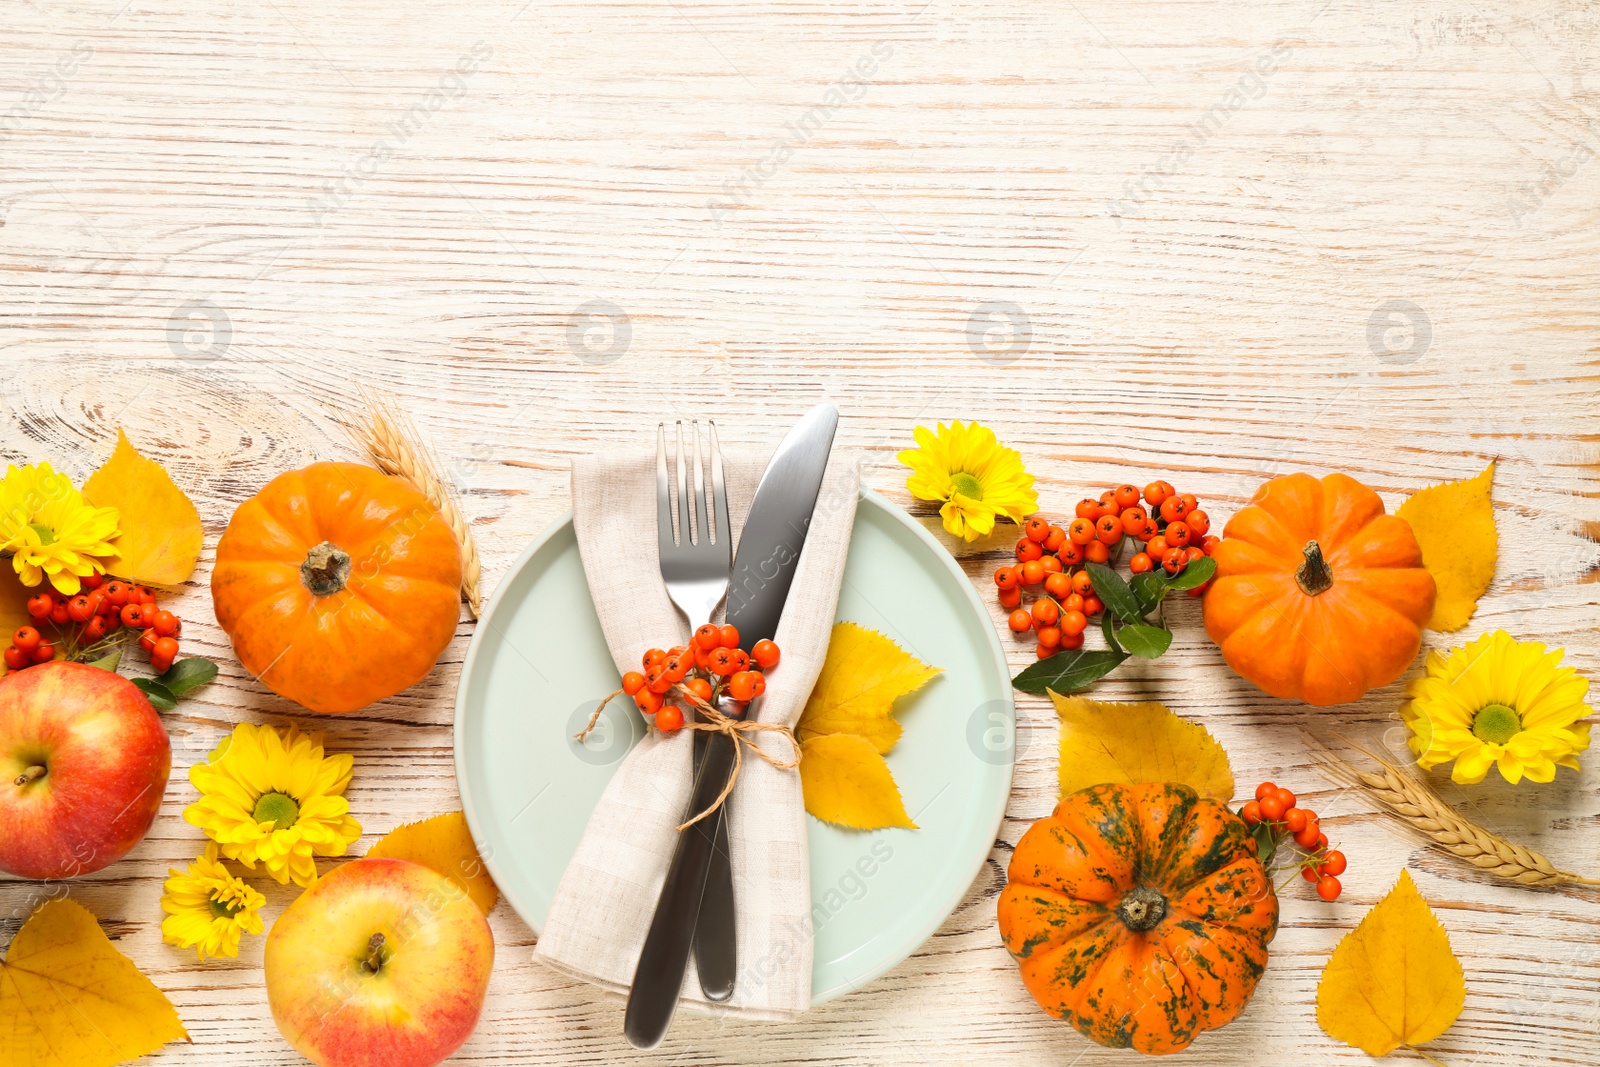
{"x": 538, "y": 665}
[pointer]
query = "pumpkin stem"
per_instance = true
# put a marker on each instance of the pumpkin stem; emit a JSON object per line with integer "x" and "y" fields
{"x": 374, "y": 961}
{"x": 1314, "y": 576}
{"x": 32, "y": 774}
{"x": 326, "y": 569}
{"x": 1142, "y": 909}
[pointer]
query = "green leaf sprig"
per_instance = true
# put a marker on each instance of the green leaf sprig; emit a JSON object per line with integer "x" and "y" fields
{"x": 1125, "y": 625}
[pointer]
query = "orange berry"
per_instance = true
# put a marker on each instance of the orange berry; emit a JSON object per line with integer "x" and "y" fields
{"x": 1074, "y": 602}
{"x": 728, "y": 636}
{"x": 1070, "y": 555}
{"x": 1027, "y": 550}
{"x": 1272, "y": 808}
{"x": 1073, "y": 623}
{"x": 26, "y": 638}
{"x": 1192, "y": 553}
{"x": 1209, "y": 543}
{"x": 1177, "y": 534}
{"x": 1156, "y": 492}
{"x": 654, "y": 658}
{"x": 1092, "y": 605}
{"x": 1097, "y": 552}
{"x": 1140, "y": 563}
{"x": 1010, "y": 598}
{"x": 648, "y": 702}
{"x": 1173, "y": 509}
{"x": 1020, "y": 621}
{"x": 1174, "y": 561}
{"x": 1052, "y": 565}
{"x": 765, "y": 653}
{"x": 1081, "y": 531}
{"x": 1285, "y": 797}
{"x": 1334, "y": 863}
{"x": 166, "y": 648}
{"x": 742, "y": 686}
{"x": 1057, "y": 538}
{"x": 1265, "y": 788}
{"x": 1295, "y": 820}
{"x": 1049, "y": 636}
{"x": 1086, "y": 509}
{"x": 1036, "y": 529}
{"x": 1032, "y": 572}
{"x": 1070, "y": 642}
{"x": 1045, "y": 612}
{"x": 1199, "y": 522}
{"x": 1082, "y": 584}
{"x": 1109, "y": 529}
{"x": 632, "y": 682}
{"x": 722, "y": 661}
{"x": 1190, "y": 502}
{"x": 1006, "y": 577}
{"x": 1328, "y": 888}
{"x": 1133, "y": 521}
{"x": 1044, "y": 651}
{"x": 1058, "y": 585}
{"x": 669, "y": 719}
{"x": 699, "y": 687}
{"x": 1126, "y": 496}
{"x": 708, "y": 637}
{"x": 17, "y": 658}
{"x": 1251, "y": 812}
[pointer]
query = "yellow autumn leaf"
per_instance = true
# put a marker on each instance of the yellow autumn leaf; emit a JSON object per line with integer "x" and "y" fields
{"x": 1393, "y": 980}
{"x": 847, "y": 782}
{"x": 1128, "y": 743}
{"x": 68, "y": 998}
{"x": 444, "y": 844}
{"x": 862, "y": 676}
{"x": 1454, "y": 524}
{"x": 848, "y": 726}
{"x": 160, "y": 539}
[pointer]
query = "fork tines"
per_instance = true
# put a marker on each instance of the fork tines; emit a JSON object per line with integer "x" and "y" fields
{"x": 687, "y": 531}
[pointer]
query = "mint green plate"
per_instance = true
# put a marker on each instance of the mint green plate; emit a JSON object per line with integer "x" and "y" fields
{"x": 538, "y": 665}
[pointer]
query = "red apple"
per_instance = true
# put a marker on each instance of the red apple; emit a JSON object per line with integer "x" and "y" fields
{"x": 382, "y": 963}
{"x": 84, "y": 761}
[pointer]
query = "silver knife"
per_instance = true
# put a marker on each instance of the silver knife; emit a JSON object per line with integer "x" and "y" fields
{"x": 763, "y": 569}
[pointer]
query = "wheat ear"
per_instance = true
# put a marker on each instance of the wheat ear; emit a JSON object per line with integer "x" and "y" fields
{"x": 1420, "y": 808}
{"x": 391, "y": 439}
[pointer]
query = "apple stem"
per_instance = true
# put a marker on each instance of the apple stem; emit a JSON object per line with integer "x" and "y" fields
{"x": 374, "y": 960}
{"x": 32, "y": 774}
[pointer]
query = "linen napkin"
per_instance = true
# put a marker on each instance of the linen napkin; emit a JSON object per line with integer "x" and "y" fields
{"x": 607, "y": 896}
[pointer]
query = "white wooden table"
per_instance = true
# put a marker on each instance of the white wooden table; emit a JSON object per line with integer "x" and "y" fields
{"x": 1206, "y": 241}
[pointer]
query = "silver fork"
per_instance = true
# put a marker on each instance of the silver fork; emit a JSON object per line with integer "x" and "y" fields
{"x": 695, "y": 566}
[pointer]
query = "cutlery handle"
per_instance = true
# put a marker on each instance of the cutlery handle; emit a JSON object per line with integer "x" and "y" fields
{"x": 716, "y": 957}
{"x": 658, "y": 979}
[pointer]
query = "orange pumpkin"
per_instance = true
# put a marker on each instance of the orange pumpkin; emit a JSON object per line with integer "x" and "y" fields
{"x": 1139, "y": 914}
{"x": 1318, "y": 594}
{"x": 339, "y": 585}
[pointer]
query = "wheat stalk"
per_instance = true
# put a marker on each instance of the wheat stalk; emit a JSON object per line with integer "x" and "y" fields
{"x": 390, "y": 437}
{"x": 1419, "y": 808}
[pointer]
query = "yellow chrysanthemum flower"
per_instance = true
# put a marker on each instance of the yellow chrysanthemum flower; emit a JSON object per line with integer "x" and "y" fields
{"x": 209, "y": 908}
{"x": 977, "y": 477}
{"x": 274, "y": 798}
{"x": 1498, "y": 701}
{"x": 49, "y": 531}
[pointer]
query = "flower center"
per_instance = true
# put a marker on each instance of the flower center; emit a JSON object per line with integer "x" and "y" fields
{"x": 1496, "y": 724}
{"x": 280, "y": 810}
{"x": 966, "y": 485}
{"x": 47, "y": 536}
{"x": 224, "y": 910}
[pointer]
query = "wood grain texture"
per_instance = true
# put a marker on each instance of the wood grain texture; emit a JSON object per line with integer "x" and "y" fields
{"x": 219, "y": 220}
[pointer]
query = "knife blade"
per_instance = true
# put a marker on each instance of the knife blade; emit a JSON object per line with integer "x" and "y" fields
{"x": 763, "y": 570}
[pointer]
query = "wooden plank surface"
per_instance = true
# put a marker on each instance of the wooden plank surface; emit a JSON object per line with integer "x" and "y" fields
{"x": 1209, "y": 241}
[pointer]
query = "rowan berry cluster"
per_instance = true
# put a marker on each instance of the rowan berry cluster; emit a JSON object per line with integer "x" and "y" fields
{"x": 1169, "y": 527}
{"x": 711, "y": 664}
{"x": 1274, "y": 810}
{"x": 87, "y": 619}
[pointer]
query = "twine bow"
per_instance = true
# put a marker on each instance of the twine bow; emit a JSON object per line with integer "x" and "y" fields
{"x": 738, "y": 731}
